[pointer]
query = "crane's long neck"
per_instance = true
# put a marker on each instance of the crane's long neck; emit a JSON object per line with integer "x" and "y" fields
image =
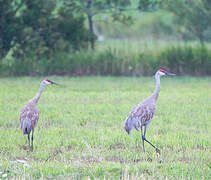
{"x": 157, "y": 88}
{"x": 37, "y": 97}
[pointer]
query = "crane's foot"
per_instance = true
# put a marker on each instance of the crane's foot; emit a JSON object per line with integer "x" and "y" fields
{"x": 157, "y": 150}
{"x": 159, "y": 156}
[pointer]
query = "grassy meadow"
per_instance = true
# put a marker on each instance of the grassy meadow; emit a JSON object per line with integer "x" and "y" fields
{"x": 80, "y": 131}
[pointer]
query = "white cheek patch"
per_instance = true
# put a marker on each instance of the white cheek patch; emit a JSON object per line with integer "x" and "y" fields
{"x": 161, "y": 73}
{"x": 46, "y": 82}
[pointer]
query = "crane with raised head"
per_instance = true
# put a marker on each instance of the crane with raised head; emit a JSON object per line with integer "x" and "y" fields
{"x": 29, "y": 114}
{"x": 142, "y": 114}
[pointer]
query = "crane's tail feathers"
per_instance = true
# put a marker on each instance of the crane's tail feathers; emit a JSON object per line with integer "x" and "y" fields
{"x": 127, "y": 130}
{"x": 26, "y": 127}
{"x": 27, "y": 130}
{"x": 128, "y": 125}
{"x": 131, "y": 123}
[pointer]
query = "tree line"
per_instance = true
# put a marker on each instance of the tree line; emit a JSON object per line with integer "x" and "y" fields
{"x": 40, "y": 29}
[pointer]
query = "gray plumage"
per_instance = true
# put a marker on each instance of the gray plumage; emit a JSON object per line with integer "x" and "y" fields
{"x": 29, "y": 114}
{"x": 26, "y": 126}
{"x": 142, "y": 114}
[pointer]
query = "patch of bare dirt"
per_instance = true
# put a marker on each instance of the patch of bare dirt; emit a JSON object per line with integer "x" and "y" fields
{"x": 117, "y": 159}
{"x": 117, "y": 145}
{"x": 184, "y": 159}
{"x": 147, "y": 171}
{"x": 90, "y": 159}
{"x": 170, "y": 148}
{"x": 123, "y": 161}
{"x": 200, "y": 147}
{"x": 160, "y": 131}
{"x": 47, "y": 124}
{"x": 69, "y": 147}
{"x": 54, "y": 153}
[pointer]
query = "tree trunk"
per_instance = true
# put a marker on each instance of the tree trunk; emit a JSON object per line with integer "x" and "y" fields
{"x": 89, "y": 14}
{"x": 199, "y": 35}
{"x": 92, "y": 31}
{"x": 201, "y": 40}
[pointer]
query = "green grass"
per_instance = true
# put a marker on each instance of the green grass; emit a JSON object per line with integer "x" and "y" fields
{"x": 80, "y": 130}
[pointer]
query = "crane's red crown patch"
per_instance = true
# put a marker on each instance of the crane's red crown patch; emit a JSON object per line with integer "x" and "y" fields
{"x": 162, "y": 70}
{"x": 48, "y": 80}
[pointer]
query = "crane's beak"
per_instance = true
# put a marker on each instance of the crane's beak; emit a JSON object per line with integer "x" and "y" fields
{"x": 169, "y": 74}
{"x": 52, "y": 82}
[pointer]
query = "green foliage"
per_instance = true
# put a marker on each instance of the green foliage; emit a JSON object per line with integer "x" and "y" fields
{"x": 79, "y": 133}
{"x": 9, "y": 24}
{"x": 183, "y": 59}
{"x": 188, "y": 60}
{"x": 93, "y": 7}
{"x": 72, "y": 30}
{"x": 46, "y": 33}
{"x": 40, "y": 41}
{"x": 32, "y": 28}
{"x": 151, "y": 5}
{"x": 142, "y": 26}
{"x": 193, "y": 18}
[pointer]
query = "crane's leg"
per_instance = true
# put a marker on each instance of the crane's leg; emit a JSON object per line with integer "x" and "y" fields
{"x": 145, "y": 129}
{"x": 32, "y": 138}
{"x": 29, "y": 139}
{"x": 142, "y": 137}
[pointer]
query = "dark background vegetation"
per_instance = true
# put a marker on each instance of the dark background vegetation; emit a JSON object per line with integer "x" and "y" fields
{"x": 86, "y": 37}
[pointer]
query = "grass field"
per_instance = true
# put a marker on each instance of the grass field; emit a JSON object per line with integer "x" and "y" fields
{"x": 80, "y": 131}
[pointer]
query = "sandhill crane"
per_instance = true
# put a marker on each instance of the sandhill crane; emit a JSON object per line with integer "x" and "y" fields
{"x": 29, "y": 114}
{"x": 142, "y": 114}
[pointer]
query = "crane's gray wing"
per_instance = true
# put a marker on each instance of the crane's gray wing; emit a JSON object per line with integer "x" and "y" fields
{"x": 141, "y": 115}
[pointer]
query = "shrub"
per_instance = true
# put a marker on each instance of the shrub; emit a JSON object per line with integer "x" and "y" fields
{"x": 181, "y": 59}
{"x": 188, "y": 60}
